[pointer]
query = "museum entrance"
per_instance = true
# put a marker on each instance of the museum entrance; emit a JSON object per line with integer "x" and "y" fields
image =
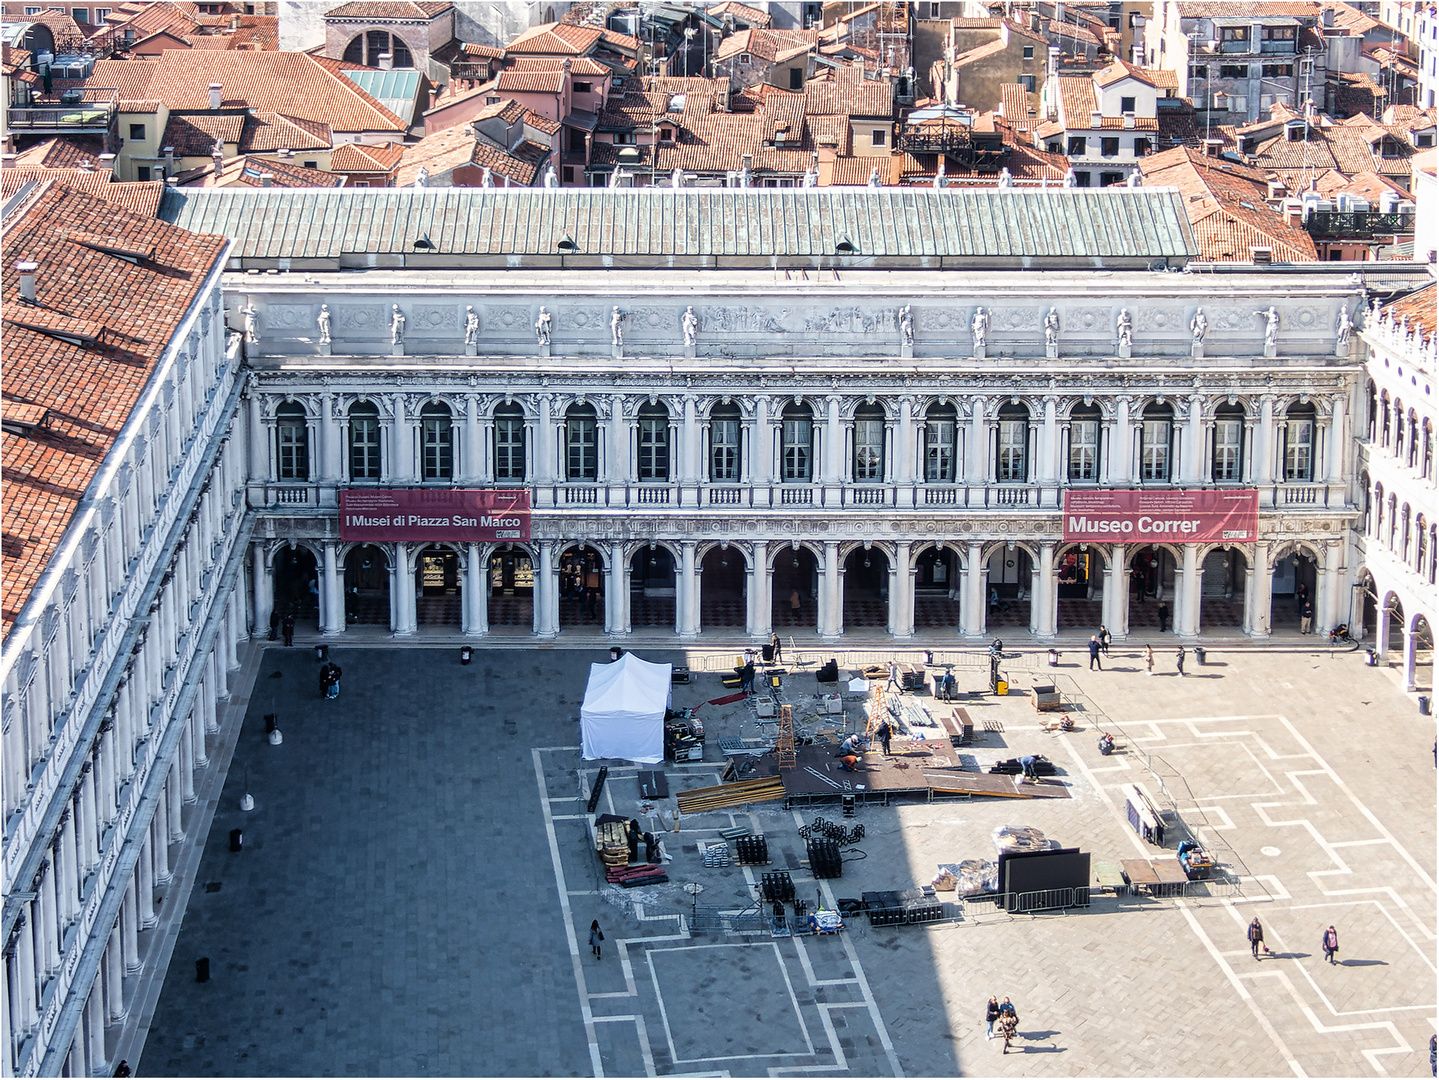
{"x": 722, "y": 588}
{"x": 297, "y": 585}
{"x": 652, "y": 587}
{"x": 582, "y": 587}
{"x": 937, "y": 585}
{"x": 1079, "y": 572}
{"x": 367, "y": 587}
{"x": 866, "y": 588}
{"x": 796, "y": 584}
{"x": 1292, "y": 586}
{"x": 511, "y": 600}
{"x": 1221, "y": 589}
{"x": 1151, "y": 590}
{"x": 437, "y": 587}
{"x": 1008, "y": 598}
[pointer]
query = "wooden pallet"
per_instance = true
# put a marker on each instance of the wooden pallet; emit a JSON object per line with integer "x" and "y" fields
{"x": 761, "y": 789}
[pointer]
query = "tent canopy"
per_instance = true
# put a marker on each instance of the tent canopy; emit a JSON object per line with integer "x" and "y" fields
{"x": 623, "y": 715}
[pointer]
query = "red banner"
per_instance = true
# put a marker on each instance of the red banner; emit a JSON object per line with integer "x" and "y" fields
{"x": 1150, "y": 517}
{"x": 437, "y": 515}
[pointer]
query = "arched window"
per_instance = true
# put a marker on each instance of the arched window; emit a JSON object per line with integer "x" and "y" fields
{"x": 292, "y": 437}
{"x": 1227, "y": 464}
{"x": 796, "y": 444}
{"x": 1298, "y": 435}
{"x": 941, "y": 428}
{"x": 1156, "y": 443}
{"x": 1378, "y": 511}
{"x": 437, "y": 442}
{"x": 1385, "y": 417}
{"x": 365, "y": 49}
{"x": 1398, "y": 429}
{"x": 509, "y": 443}
{"x": 724, "y": 444}
{"x": 582, "y": 454}
{"x": 869, "y": 444}
{"x": 1393, "y": 521}
{"x": 1404, "y": 533}
{"x": 364, "y": 441}
{"x": 1421, "y": 545}
{"x": 1373, "y": 416}
{"x": 1426, "y": 461}
{"x": 1011, "y": 462}
{"x": 1413, "y": 440}
{"x": 1084, "y": 428}
{"x": 654, "y": 443}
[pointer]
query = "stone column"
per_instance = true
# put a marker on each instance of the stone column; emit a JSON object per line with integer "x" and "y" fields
{"x": 95, "y": 1027}
{"x": 26, "y": 1011}
{"x": 543, "y": 439}
{"x": 402, "y": 592}
{"x": 1411, "y": 647}
{"x": 901, "y": 592}
{"x": 1328, "y": 588}
{"x": 758, "y": 621}
{"x": 402, "y": 445}
{"x": 1116, "y": 592}
{"x": 833, "y": 465}
{"x": 1190, "y": 467}
{"x": 476, "y": 608}
{"x": 259, "y": 449}
{"x": 185, "y": 756}
{"x": 687, "y": 595}
{"x": 160, "y": 837}
{"x": 145, "y": 882}
{"x": 617, "y": 454}
{"x": 1047, "y": 599}
{"x": 330, "y": 441}
{"x": 690, "y": 442}
{"x": 48, "y": 924}
{"x": 1248, "y": 624}
{"x": 977, "y": 458}
{"x": 67, "y": 870}
{"x": 973, "y": 600}
{"x": 901, "y": 471}
{"x": 332, "y": 591}
{"x": 1338, "y": 448}
{"x": 130, "y": 923}
{"x": 617, "y": 619}
{"x": 472, "y": 467}
{"x": 1049, "y": 443}
{"x": 1120, "y": 467}
{"x": 761, "y": 448}
{"x": 1186, "y": 614}
{"x": 1036, "y": 598}
{"x": 1264, "y": 443}
{"x": 264, "y": 589}
{"x": 831, "y": 606}
{"x": 547, "y": 600}
{"x": 113, "y": 965}
{"x": 1263, "y": 590}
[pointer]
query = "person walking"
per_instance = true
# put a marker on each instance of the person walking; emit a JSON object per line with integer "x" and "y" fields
{"x": 596, "y": 936}
{"x": 274, "y": 623}
{"x": 894, "y": 683}
{"x": 1306, "y": 618}
{"x": 1094, "y": 647}
{"x": 1104, "y": 640}
{"x": 884, "y": 733}
{"x": 991, "y": 1014}
{"x": 1256, "y": 938}
{"x": 1179, "y": 659}
{"x": 1148, "y": 659}
{"x": 1008, "y": 1022}
{"x": 288, "y": 626}
{"x": 1163, "y": 611}
{"x": 774, "y": 647}
{"x": 746, "y": 677}
{"x": 1331, "y": 943}
{"x": 794, "y": 605}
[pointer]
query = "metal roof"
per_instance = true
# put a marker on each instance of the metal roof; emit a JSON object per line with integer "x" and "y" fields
{"x": 395, "y": 90}
{"x": 690, "y": 227}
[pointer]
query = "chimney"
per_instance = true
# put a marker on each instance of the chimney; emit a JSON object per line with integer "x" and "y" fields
{"x": 86, "y": 165}
{"x": 1326, "y": 17}
{"x": 107, "y": 162}
{"x": 265, "y": 179}
{"x": 26, "y": 270}
{"x": 432, "y": 99}
{"x": 7, "y": 161}
{"x": 169, "y": 153}
{"x": 386, "y": 61}
{"x": 1096, "y": 119}
{"x": 215, "y": 95}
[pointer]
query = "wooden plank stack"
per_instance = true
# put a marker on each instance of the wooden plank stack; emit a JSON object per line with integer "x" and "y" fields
{"x": 761, "y": 789}
{"x": 612, "y": 842}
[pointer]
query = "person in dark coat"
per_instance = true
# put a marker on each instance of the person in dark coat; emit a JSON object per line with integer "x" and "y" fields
{"x": 1179, "y": 659}
{"x": 633, "y": 836}
{"x": 1331, "y": 943}
{"x": 596, "y": 937}
{"x": 1104, "y": 639}
{"x": 289, "y": 628}
{"x": 274, "y": 623}
{"x": 1256, "y": 938}
{"x": 775, "y": 645}
{"x": 1094, "y": 647}
{"x": 991, "y": 1014}
{"x": 884, "y": 733}
{"x": 1163, "y": 616}
{"x": 746, "y": 678}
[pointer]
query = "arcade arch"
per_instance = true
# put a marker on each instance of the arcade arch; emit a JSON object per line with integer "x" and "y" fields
{"x": 653, "y": 586}
{"x": 367, "y": 586}
{"x": 510, "y": 600}
{"x": 724, "y": 589}
{"x": 439, "y": 586}
{"x": 866, "y": 587}
{"x": 297, "y": 583}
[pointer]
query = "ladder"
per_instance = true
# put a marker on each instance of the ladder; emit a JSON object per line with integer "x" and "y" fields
{"x": 876, "y": 706}
{"x": 784, "y": 741}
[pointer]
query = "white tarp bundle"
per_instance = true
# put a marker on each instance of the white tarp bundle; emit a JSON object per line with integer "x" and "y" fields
{"x": 623, "y": 715}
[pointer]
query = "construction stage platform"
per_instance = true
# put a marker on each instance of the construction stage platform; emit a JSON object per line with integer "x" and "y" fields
{"x": 914, "y": 770}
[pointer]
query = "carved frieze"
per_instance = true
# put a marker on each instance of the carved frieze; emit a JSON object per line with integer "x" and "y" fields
{"x": 1015, "y": 320}
{"x": 742, "y": 320}
{"x": 434, "y": 318}
{"x": 292, "y": 317}
{"x": 1080, "y": 321}
{"x": 508, "y": 317}
{"x": 362, "y": 318}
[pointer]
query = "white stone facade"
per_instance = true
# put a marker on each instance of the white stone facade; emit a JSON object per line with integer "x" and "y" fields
{"x": 910, "y": 454}
{"x": 1396, "y": 455}
{"x": 111, "y": 676}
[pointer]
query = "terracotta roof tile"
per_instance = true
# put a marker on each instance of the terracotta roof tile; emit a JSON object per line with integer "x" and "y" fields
{"x": 579, "y": 65}
{"x": 141, "y": 198}
{"x": 195, "y": 134}
{"x": 766, "y": 45}
{"x": 472, "y": 48}
{"x": 1076, "y": 100}
{"x": 267, "y": 132}
{"x": 557, "y": 39}
{"x": 250, "y": 171}
{"x": 63, "y": 152}
{"x": 1418, "y": 309}
{"x": 296, "y": 84}
{"x": 530, "y": 82}
{"x": 87, "y": 391}
{"x": 362, "y": 157}
{"x": 360, "y": 10}
{"x": 751, "y": 16}
{"x": 453, "y": 147}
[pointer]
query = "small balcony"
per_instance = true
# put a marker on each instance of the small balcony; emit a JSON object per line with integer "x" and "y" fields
{"x": 89, "y": 111}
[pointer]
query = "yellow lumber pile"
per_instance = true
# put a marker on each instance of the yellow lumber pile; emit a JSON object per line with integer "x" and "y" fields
{"x": 763, "y": 789}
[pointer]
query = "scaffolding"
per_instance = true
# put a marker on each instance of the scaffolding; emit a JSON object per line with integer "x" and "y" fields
{"x": 784, "y": 741}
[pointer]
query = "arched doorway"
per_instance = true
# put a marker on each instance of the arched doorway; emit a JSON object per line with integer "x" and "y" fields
{"x": 652, "y": 587}
{"x": 437, "y": 587}
{"x": 1422, "y": 662}
{"x": 1007, "y": 595}
{"x": 796, "y": 590}
{"x": 723, "y": 589}
{"x": 1389, "y": 637}
{"x": 1151, "y": 589}
{"x": 866, "y": 588}
{"x": 937, "y": 589}
{"x": 582, "y": 587}
{"x": 297, "y": 584}
{"x": 1079, "y": 573}
{"x": 367, "y": 586}
{"x": 1221, "y": 588}
{"x": 1293, "y": 582}
{"x": 511, "y": 599}
{"x": 1366, "y": 611}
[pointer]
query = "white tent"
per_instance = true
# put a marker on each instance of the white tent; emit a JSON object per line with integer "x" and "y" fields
{"x": 623, "y": 715}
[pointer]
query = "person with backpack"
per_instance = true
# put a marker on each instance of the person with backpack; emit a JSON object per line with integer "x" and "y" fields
{"x": 596, "y": 937}
{"x": 1256, "y": 938}
{"x": 1331, "y": 943}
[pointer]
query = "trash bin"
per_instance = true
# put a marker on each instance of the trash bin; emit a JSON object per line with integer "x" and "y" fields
{"x": 1199, "y": 654}
{"x": 1054, "y": 658}
{"x": 1370, "y": 659}
{"x": 202, "y": 969}
{"x": 465, "y": 653}
{"x": 322, "y": 652}
{"x": 1423, "y": 704}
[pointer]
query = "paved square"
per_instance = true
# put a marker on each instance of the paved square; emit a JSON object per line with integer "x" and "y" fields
{"x": 418, "y": 879}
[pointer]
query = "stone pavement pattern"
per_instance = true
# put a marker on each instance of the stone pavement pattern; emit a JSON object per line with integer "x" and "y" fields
{"x": 417, "y": 885}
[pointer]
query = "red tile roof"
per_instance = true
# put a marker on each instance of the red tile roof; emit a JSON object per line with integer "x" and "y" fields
{"x": 89, "y": 392}
{"x": 743, "y": 13}
{"x": 530, "y": 82}
{"x": 360, "y": 10}
{"x": 295, "y": 84}
{"x": 63, "y": 152}
{"x": 1418, "y": 309}
{"x": 1076, "y": 100}
{"x": 361, "y": 157}
{"x": 141, "y": 198}
{"x": 267, "y": 132}
{"x": 767, "y": 46}
{"x": 455, "y": 147}
{"x": 579, "y": 65}
{"x": 195, "y": 134}
{"x": 557, "y": 39}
